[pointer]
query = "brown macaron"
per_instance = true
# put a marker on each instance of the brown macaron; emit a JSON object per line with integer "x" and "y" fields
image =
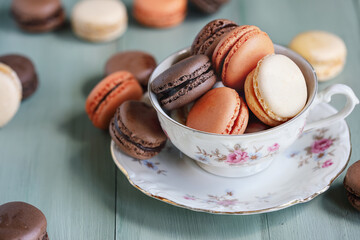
{"x": 352, "y": 184}
{"x": 25, "y": 70}
{"x": 136, "y": 130}
{"x": 139, "y": 63}
{"x": 20, "y": 220}
{"x": 38, "y": 15}
{"x": 210, "y": 35}
{"x": 184, "y": 82}
{"x": 208, "y": 6}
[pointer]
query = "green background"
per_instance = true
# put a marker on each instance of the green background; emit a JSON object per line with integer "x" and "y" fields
{"x": 52, "y": 157}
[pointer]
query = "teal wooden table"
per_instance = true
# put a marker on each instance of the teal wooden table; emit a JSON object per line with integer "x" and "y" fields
{"x": 52, "y": 157}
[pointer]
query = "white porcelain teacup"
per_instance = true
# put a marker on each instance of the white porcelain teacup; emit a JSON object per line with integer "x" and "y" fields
{"x": 247, "y": 154}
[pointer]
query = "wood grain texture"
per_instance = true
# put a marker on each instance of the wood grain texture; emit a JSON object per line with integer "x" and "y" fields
{"x": 52, "y": 157}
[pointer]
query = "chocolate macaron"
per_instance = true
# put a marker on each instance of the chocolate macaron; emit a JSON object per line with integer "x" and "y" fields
{"x": 352, "y": 184}
{"x": 208, "y": 6}
{"x": 136, "y": 130}
{"x": 210, "y": 35}
{"x": 139, "y": 63}
{"x": 25, "y": 70}
{"x": 20, "y": 220}
{"x": 38, "y": 15}
{"x": 184, "y": 82}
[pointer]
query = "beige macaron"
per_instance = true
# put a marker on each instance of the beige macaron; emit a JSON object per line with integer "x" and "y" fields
{"x": 10, "y": 94}
{"x": 99, "y": 20}
{"x": 325, "y": 51}
{"x": 275, "y": 90}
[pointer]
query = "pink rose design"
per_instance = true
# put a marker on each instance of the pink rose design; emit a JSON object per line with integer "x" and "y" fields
{"x": 319, "y": 146}
{"x": 327, "y": 163}
{"x": 274, "y": 147}
{"x": 189, "y": 197}
{"x": 237, "y": 156}
{"x": 227, "y": 202}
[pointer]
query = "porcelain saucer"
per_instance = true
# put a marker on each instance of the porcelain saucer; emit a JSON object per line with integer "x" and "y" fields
{"x": 302, "y": 172}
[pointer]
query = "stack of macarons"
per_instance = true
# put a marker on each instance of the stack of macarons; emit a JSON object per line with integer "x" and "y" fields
{"x": 242, "y": 58}
{"x": 115, "y": 104}
{"x": 18, "y": 81}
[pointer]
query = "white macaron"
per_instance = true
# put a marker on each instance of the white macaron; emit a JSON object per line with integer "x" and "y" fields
{"x": 99, "y": 20}
{"x": 10, "y": 94}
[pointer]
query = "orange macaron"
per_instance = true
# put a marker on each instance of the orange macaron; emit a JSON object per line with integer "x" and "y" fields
{"x": 238, "y": 53}
{"x": 159, "y": 13}
{"x": 221, "y": 111}
{"x": 109, "y": 94}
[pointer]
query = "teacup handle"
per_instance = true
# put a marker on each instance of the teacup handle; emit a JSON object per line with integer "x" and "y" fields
{"x": 325, "y": 96}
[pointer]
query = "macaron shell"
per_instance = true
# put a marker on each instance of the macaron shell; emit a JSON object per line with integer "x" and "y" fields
{"x": 280, "y": 87}
{"x": 352, "y": 179}
{"x": 25, "y": 70}
{"x": 215, "y": 112}
{"x": 207, "y": 6}
{"x": 99, "y": 20}
{"x": 354, "y": 200}
{"x": 253, "y": 103}
{"x": 103, "y": 100}
{"x": 141, "y": 123}
{"x": 210, "y": 35}
{"x": 20, "y": 220}
{"x": 140, "y": 64}
{"x": 128, "y": 147}
{"x": 9, "y": 101}
{"x": 226, "y": 44}
{"x": 242, "y": 120}
{"x": 35, "y": 9}
{"x": 325, "y": 51}
{"x": 246, "y": 53}
{"x": 159, "y": 13}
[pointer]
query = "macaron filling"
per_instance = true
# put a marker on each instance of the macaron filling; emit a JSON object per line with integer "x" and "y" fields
{"x": 127, "y": 139}
{"x": 168, "y": 95}
{"x": 106, "y": 95}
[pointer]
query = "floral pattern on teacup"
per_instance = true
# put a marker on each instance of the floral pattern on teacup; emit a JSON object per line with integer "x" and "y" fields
{"x": 320, "y": 152}
{"x": 237, "y": 155}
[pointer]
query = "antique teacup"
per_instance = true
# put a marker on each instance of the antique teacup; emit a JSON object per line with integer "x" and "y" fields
{"x": 247, "y": 154}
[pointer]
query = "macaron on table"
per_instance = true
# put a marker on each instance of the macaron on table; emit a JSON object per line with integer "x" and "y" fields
{"x": 56, "y": 152}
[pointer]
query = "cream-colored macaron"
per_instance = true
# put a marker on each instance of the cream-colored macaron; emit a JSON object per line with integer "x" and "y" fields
{"x": 99, "y": 20}
{"x": 325, "y": 51}
{"x": 275, "y": 90}
{"x": 10, "y": 94}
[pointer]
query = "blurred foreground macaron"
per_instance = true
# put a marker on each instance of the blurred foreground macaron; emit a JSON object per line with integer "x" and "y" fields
{"x": 109, "y": 94}
{"x": 275, "y": 90}
{"x": 139, "y": 63}
{"x": 220, "y": 110}
{"x": 238, "y": 53}
{"x": 159, "y": 13}
{"x": 325, "y": 51}
{"x": 184, "y": 82}
{"x": 99, "y": 20}
{"x": 20, "y": 220}
{"x": 210, "y": 35}
{"x": 10, "y": 94}
{"x": 38, "y": 15}
{"x": 136, "y": 130}
{"x": 208, "y": 6}
{"x": 25, "y": 70}
{"x": 352, "y": 184}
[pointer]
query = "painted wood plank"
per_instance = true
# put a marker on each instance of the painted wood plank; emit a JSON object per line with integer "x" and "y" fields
{"x": 329, "y": 216}
{"x": 51, "y": 155}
